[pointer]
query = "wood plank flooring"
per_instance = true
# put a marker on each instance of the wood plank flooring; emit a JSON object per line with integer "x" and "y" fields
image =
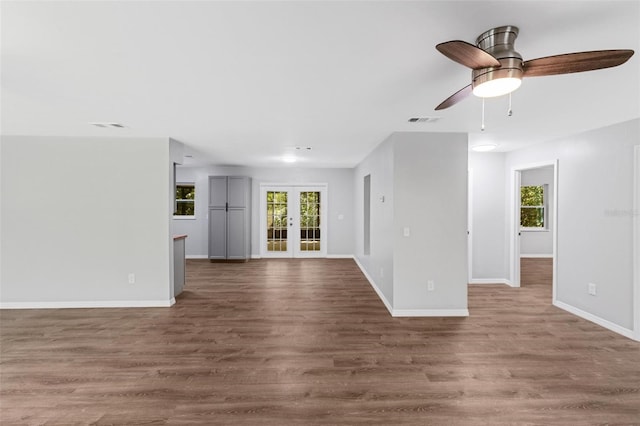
{"x": 300, "y": 342}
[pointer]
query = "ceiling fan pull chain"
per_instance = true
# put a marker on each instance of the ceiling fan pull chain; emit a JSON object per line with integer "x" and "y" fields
{"x": 482, "y": 126}
{"x": 510, "y": 111}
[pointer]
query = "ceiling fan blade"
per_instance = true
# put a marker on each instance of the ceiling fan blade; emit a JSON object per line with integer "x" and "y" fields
{"x": 575, "y": 62}
{"x": 467, "y": 54}
{"x": 455, "y": 98}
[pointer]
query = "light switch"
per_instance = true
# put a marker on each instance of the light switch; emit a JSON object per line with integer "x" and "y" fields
{"x": 406, "y": 232}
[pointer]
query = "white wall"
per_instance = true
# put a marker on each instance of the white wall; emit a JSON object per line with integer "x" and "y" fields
{"x": 595, "y": 224}
{"x": 539, "y": 242}
{"x": 79, "y": 215}
{"x": 378, "y": 264}
{"x": 340, "y": 238}
{"x": 489, "y": 217}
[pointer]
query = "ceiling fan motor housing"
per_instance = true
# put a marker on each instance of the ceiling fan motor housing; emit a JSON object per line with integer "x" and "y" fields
{"x": 499, "y": 43}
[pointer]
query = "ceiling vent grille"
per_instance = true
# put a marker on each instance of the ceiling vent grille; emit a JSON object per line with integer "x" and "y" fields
{"x": 103, "y": 124}
{"x": 423, "y": 119}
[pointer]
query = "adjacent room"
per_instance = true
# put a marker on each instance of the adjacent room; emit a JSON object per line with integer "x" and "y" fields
{"x": 309, "y": 212}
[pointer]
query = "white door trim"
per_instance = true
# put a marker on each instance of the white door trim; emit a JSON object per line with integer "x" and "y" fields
{"x": 470, "y": 226}
{"x": 514, "y": 263}
{"x": 514, "y": 256}
{"x": 636, "y": 244}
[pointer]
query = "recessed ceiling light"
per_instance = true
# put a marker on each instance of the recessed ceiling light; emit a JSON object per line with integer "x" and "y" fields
{"x": 484, "y": 147}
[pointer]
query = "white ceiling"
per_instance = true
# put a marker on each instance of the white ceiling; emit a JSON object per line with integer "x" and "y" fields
{"x": 243, "y": 83}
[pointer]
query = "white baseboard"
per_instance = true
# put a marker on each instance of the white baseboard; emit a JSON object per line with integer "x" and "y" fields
{"x": 491, "y": 281}
{"x": 256, "y": 256}
{"x": 595, "y": 319}
{"x": 537, "y": 256}
{"x": 90, "y": 304}
{"x": 196, "y": 256}
{"x": 375, "y": 287}
{"x": 410, "y": 312}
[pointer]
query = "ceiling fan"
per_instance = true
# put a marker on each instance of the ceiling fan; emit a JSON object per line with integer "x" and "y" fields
{"x": 497, "y": 69}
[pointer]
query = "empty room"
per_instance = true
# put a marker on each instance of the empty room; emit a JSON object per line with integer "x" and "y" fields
{"x": 319, "y": 212}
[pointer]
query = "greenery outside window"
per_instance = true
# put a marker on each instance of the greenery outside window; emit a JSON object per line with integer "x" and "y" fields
{"x": 185, "y": 201}
{"x": 533, "y": 207}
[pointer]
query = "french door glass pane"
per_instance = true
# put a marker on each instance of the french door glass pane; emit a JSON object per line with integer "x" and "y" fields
{"x": 277, "y": 224}
{"x": 310, "y": 221}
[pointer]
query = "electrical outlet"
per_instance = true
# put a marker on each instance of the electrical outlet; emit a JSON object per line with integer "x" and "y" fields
{"x": 132, "y": 278}
{"x": 431, "y": 285}
{"x": 592, "y": 289}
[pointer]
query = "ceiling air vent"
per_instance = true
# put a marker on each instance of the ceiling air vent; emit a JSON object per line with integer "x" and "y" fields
{"x": 104, "y": 124}
{"x": 423, "y": 119}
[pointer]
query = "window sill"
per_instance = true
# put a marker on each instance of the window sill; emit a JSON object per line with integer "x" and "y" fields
{"x": 184, "y": 217}
{"x": 534, "y": 230}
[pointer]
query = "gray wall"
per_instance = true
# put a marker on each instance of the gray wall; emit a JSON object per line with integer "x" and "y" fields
{"x": 595, "y": 220}
{"x": 79, "y": 215}
{"x": 489, "y": 214}
{"x": 539, "y": 242}
{"x": 423, "y": 179}
{"x": 430, "y": 194}
{"x": 340, "y": 237}
{"x": 378, "y": 264}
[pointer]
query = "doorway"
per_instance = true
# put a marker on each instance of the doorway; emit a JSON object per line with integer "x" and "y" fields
{"x": 293, "y": 220}
{"x": 534, "y": 206}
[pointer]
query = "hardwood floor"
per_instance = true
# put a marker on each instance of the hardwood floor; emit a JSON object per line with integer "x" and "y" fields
{"x": 536, "y": 271}
{"x": 308, "y": 342}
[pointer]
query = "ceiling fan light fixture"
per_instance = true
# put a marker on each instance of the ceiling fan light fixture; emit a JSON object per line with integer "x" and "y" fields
{"x": 493, "y": 58}
{"x": 497, "y": 87}
{"x": 498, "y": 81}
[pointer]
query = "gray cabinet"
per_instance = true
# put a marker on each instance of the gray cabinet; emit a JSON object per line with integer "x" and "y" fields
{"x": 229, "y": 217}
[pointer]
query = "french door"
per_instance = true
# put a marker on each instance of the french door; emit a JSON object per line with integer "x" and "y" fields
{"x": 293, "y": 221}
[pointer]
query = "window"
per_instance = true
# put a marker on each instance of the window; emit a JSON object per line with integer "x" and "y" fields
{"x": 185, "y": 200}
{"x": 532, "y": 207}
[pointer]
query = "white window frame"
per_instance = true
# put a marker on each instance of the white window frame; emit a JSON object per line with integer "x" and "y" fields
{"x": 186, "y": 217}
